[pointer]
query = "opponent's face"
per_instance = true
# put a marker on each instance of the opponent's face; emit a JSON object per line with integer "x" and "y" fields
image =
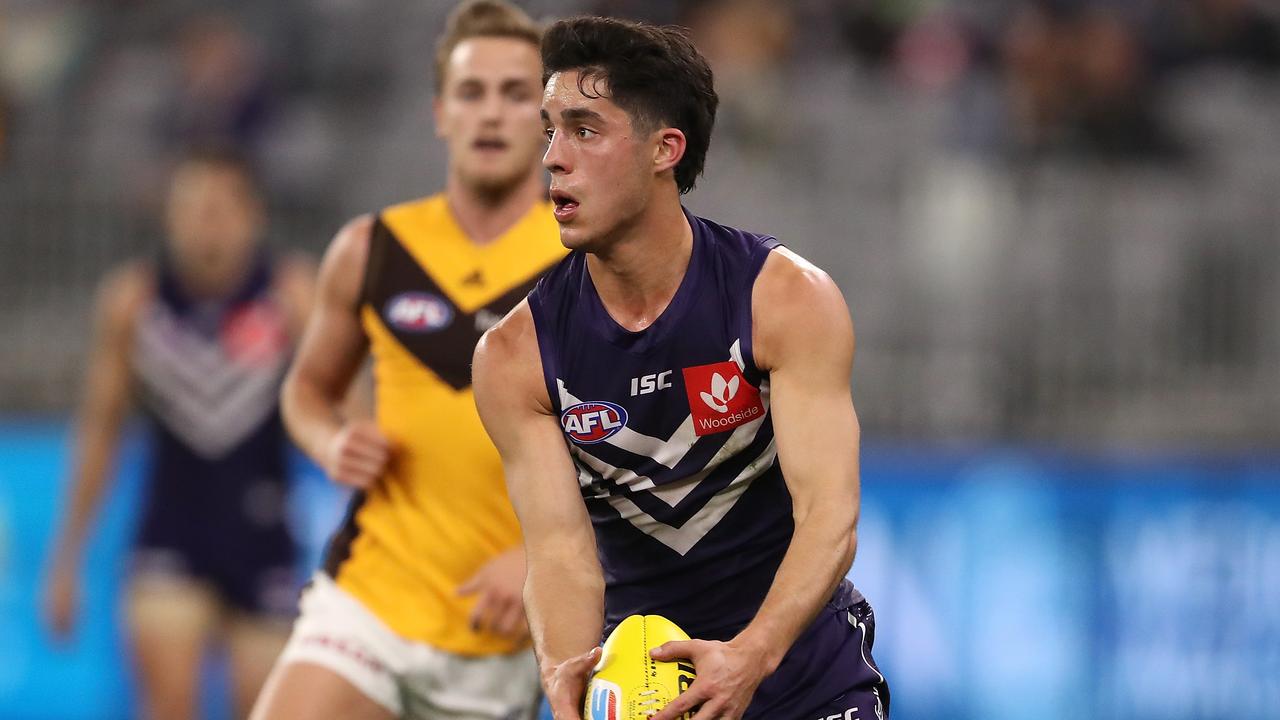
{"x": 215, "y": 221}
{"x": 602, "y": 170}
{"x": 487, "y": 112}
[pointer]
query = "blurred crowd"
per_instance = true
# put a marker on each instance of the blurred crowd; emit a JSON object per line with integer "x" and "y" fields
{"x": 1075, "y": 75}
{"x": 892, "y": 140}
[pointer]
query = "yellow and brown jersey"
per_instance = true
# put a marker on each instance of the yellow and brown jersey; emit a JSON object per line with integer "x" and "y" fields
{"x": 441, "y": 511}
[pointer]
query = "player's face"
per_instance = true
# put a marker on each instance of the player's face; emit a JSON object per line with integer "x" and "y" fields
{"x": 487, "y": 112}
{"x": 215, "y": 222}
{"x": 601, "y": 165}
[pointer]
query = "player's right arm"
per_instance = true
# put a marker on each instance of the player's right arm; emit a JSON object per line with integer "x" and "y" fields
{"x": 102, "y": 412}
{"x": 564, "y": 585}
{"x": 352, "y": 451}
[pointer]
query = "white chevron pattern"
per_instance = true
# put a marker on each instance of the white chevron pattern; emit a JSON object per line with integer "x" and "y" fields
{"x": 210, "y": 401}
{"x": 669, "y": 452}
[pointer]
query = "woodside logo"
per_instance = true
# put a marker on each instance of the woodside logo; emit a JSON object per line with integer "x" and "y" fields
{"x": 720, "y": 398}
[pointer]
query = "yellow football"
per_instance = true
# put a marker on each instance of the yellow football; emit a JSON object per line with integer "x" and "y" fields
{"x": 626, "y": 683}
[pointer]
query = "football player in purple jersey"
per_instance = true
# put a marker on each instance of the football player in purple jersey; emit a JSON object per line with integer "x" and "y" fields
{"x": 200, "y": 337}
{"x": 672, "y": 404}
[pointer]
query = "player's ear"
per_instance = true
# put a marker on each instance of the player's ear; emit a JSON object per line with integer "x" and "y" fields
{"x": 669, "y": 149}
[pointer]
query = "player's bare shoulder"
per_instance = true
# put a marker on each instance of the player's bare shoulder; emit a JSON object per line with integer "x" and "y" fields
{"x": 507, "y": 364}
{"x": 793, "y": 303}
{"x": 295, "y": 273}
{"x": 349, "y": 249}
{"x": 294, "y": 287}
{"x": 342, "y": 268}
{"x": 512, "y": 341}
{"x": 123, "y": 294}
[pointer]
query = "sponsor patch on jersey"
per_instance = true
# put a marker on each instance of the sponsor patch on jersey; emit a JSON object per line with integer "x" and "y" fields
{"x": 418, "y": 312}
{"x": 720, "y": 398}
{"x": 605, "y": 702}
{"x": 254, "y": 335}
{"x": 591, "y": 422}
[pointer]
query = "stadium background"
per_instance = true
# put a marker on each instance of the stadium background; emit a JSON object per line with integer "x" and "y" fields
{"x": 1056, "y": 224}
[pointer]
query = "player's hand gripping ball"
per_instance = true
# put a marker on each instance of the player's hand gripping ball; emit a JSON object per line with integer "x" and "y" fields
{"x": 627, "y": 684}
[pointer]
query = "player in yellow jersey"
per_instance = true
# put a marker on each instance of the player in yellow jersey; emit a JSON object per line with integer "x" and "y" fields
{"x": 417, "y": 611}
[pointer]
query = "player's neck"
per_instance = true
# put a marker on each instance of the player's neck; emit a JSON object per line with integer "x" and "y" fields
{"x": 202, "y": 286}
{"x": 637, "y": 277}
{"x": 485, "y": 216}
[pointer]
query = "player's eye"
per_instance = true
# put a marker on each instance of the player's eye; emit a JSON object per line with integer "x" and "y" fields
{"x": 469, "y": 90}
{"x": 584, "y": 133}
{"x": 549, "y": 133}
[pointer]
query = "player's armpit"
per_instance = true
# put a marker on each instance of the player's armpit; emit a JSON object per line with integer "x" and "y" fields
{"x": 564, "y": 586}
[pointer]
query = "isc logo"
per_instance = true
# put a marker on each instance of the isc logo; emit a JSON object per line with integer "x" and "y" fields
{"x": 590, "y": 422}
{"x": 418, "y": 312}
{"x": 646, "y": 384}
{"x": 605, "y": 702}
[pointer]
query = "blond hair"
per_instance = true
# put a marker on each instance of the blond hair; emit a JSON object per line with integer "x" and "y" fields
{"x": 483, "y": 18}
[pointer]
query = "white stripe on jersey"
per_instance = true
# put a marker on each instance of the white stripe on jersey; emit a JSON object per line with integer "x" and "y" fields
{"x": 208, "y": 400}
{"x": 594, "y": 472}
{"x": 683, "y": 538}
{"x": 667, "y": 453}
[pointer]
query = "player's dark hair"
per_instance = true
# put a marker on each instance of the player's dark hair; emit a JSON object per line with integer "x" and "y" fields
{"x": 654, "y": 73}
{"x": 482, "y": 18}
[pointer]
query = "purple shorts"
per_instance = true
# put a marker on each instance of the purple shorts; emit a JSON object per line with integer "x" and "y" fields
{"x": 829, "y": 673}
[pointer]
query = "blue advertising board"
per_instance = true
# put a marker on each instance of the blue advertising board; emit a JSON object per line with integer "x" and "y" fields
{"x": 1008, "y": 583}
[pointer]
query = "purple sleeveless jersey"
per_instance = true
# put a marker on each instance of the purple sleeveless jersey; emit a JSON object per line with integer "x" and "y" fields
{"x": 208, "y": 374}
{"x": 670, "y": 432}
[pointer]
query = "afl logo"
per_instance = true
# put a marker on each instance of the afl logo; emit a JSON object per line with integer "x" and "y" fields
{"x": 590, "y": 422}
{"x": 418, "y": 312}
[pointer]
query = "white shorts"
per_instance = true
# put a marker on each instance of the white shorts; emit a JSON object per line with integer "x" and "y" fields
{"x": 410, "y": 679}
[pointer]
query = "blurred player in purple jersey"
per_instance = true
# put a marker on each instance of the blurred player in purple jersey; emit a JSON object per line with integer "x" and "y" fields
{"x": 200, "y": 336}
{"x": 695, "y": 380}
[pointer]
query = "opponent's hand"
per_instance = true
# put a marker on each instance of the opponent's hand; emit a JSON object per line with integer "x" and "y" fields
{"x": 357, "y": 455}
{"x": 500, "y": 607}
{"x": 727, "y": 677}
{"x": 62, "y": 600}
{"x": 567, "y": 682}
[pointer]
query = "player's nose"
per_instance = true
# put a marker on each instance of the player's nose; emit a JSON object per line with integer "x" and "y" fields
{"x": 555, "y": 160}
{"x": 492, "y": 108}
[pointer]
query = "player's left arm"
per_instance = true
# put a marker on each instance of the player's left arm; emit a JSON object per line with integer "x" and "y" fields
{"x": 803, "y": 337}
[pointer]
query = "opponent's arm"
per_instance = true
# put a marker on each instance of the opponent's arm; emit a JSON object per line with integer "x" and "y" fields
{"x": 106, "y": 401}
{"x": 803, "y": 338}
{"x": 564, "y": 586}
{"x": 352, "y": 451}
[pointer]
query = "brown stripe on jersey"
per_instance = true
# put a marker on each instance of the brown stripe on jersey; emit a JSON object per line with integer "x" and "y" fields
{"x": 339, "y": 548}
{"x": 447, "y": 351}
{"x": 376, "y": 259}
